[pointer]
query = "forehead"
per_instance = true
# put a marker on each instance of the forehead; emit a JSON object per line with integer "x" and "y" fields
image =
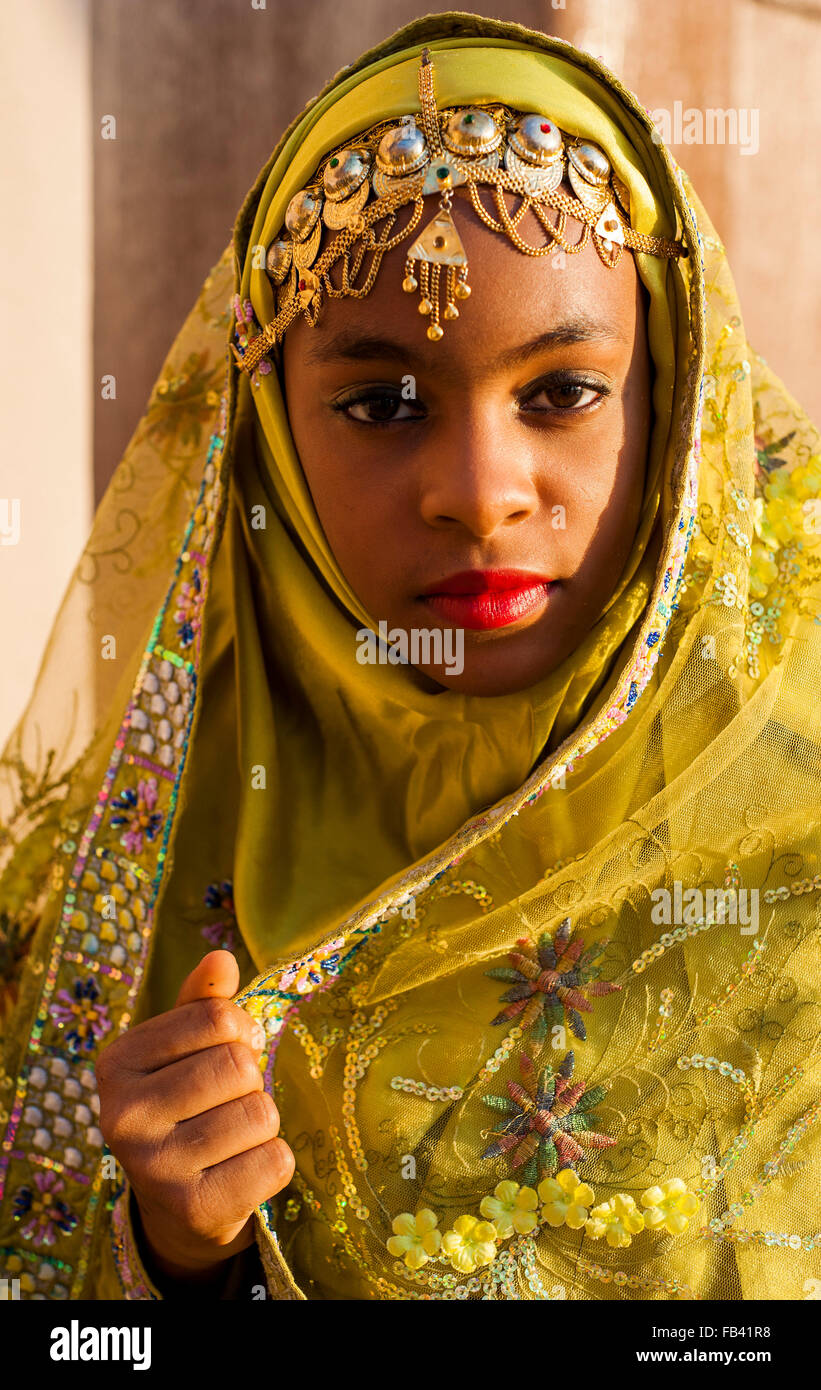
{"x": 515, "y": 298}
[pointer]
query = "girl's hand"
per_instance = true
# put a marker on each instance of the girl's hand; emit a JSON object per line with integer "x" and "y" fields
{"x": 182, "y": 1107}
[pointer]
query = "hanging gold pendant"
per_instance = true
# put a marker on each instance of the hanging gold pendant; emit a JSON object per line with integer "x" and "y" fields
{"x": 608, "y": 235}
{"x": 301, "y": 285}
{"x": 609, "y": 226}
{"x": 439, "y": 243}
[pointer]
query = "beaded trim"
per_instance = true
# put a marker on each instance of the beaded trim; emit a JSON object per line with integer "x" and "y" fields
{"x": 745, "y": 1134}
{"x": 621, "y": 1278}
{"x": 133, "y": 1277}
{"x": 772, "y": 1167}
{"x": 100, "y": 947}
{"x": 427, "y": 1092}
{"x": 769, "y": 1238}
{"x": 281, "y": 1285}
{"x": 665, "y": 1013}
{"x": 783, "y": 894}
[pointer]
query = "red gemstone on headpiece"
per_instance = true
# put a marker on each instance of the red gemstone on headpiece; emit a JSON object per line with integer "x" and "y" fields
{"x": 545, "y": 127}
{"x": 302, "y": 284}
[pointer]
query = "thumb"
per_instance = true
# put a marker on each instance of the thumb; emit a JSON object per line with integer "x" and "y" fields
{"x": 216, "y": 977}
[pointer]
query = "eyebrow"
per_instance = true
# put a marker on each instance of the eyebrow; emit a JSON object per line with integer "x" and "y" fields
{"x": 350, "y": 346}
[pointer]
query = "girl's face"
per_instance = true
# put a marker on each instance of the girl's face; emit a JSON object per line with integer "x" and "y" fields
{"x": 489, "y": 482}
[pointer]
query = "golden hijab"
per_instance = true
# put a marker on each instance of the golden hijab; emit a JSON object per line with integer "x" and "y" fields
{"x": 594, "y": 1117}
{"x": 409, "y": 766}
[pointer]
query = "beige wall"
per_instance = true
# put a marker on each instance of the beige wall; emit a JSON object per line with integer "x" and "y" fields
{"x": 45, "y": 309}
{"x": 763, "y": 56}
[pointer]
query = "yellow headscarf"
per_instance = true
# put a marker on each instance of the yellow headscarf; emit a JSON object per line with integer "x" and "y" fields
{"x": 683, "y": 753}
{"x": 408, "y": 766}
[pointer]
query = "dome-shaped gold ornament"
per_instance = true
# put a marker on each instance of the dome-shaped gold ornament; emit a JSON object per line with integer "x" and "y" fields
{"x": 471, "y": 134}
{"x": 588, "y": 171}
{"x": 278, "y": 260}
{"x": 535, "y": 151}
{"x": 346, "y": 185}
{"x": 402, "y": 151}
{"x": 302, "y": 213}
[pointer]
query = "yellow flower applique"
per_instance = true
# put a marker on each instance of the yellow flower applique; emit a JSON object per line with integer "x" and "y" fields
{"x": 669, "y": 1206}
{"x": 511, "y": 1209}
{"x": 617, "y": 1220}
{"x": 415, "y": 1239}
{"x": 785, "y": 511}
{"x": 470, "y": 1244}
{"x": 566, "y": 1200}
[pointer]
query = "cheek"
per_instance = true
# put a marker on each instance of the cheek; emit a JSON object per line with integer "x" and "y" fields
{"x": 359, "y": 481}
{"x": 600, "y": 480}
{"x": 327, "y": 461}
{"x": 362, "y": 513}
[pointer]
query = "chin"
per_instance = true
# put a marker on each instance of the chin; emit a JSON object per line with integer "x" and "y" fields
{"x": 486, "y": 676}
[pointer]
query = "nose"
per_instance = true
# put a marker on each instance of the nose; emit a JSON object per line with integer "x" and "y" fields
{"x": 477, "y": 475}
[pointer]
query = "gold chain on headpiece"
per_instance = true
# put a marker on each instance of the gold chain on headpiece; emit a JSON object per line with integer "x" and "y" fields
{"x": 427, "y": 102}
{"x": 392, "y": 165}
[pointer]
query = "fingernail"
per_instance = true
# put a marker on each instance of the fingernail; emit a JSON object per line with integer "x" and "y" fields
{"x": 258, "y": 1038}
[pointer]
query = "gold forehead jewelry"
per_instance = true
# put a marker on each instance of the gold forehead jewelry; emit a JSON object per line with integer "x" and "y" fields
{"x": 358, "y": 190}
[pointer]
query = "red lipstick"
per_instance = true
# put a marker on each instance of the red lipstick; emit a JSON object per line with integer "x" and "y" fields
{"x": 485, "y": 599}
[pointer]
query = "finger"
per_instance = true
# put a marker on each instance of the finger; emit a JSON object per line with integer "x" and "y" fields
{"x": 215, "y": 1076}
{"x": 226, "y": 1130}
{"x": 182, "y": 1032}
{"x": 240, "y": 1184}
{"x": 217, "y": 975}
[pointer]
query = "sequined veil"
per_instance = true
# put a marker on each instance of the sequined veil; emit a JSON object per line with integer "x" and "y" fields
{"x": 503, "y": 1071}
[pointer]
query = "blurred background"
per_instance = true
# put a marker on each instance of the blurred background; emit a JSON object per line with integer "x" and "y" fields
{"x": 105, "y": 242}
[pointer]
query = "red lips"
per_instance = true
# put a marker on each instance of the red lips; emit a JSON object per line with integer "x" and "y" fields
{"x": 484, "y": 599}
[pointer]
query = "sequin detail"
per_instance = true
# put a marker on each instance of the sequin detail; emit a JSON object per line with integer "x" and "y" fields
{"x": 41, "y": 1211}
{"x": 81, "y": 1016}
{"x": 135, "y": 809}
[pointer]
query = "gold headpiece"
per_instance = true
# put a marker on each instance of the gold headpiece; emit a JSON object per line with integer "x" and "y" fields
{"x": 359, "y": 188}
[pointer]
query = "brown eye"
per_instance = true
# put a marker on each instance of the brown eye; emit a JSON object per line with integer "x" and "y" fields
{"x": 376, "y": 407}
{"x": 565, "y": 397}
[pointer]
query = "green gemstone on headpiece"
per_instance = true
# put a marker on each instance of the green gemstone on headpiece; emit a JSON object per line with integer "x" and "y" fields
{"x": 442, "y": 172}
{"x": 334, "y": 162}
{"x": 469, "y": 119}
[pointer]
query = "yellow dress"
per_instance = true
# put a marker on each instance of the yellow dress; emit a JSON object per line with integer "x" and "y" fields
{"x": 519, "y": 1046}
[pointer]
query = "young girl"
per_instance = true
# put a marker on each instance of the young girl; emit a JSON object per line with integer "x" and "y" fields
{"x": 470, "y": 719}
